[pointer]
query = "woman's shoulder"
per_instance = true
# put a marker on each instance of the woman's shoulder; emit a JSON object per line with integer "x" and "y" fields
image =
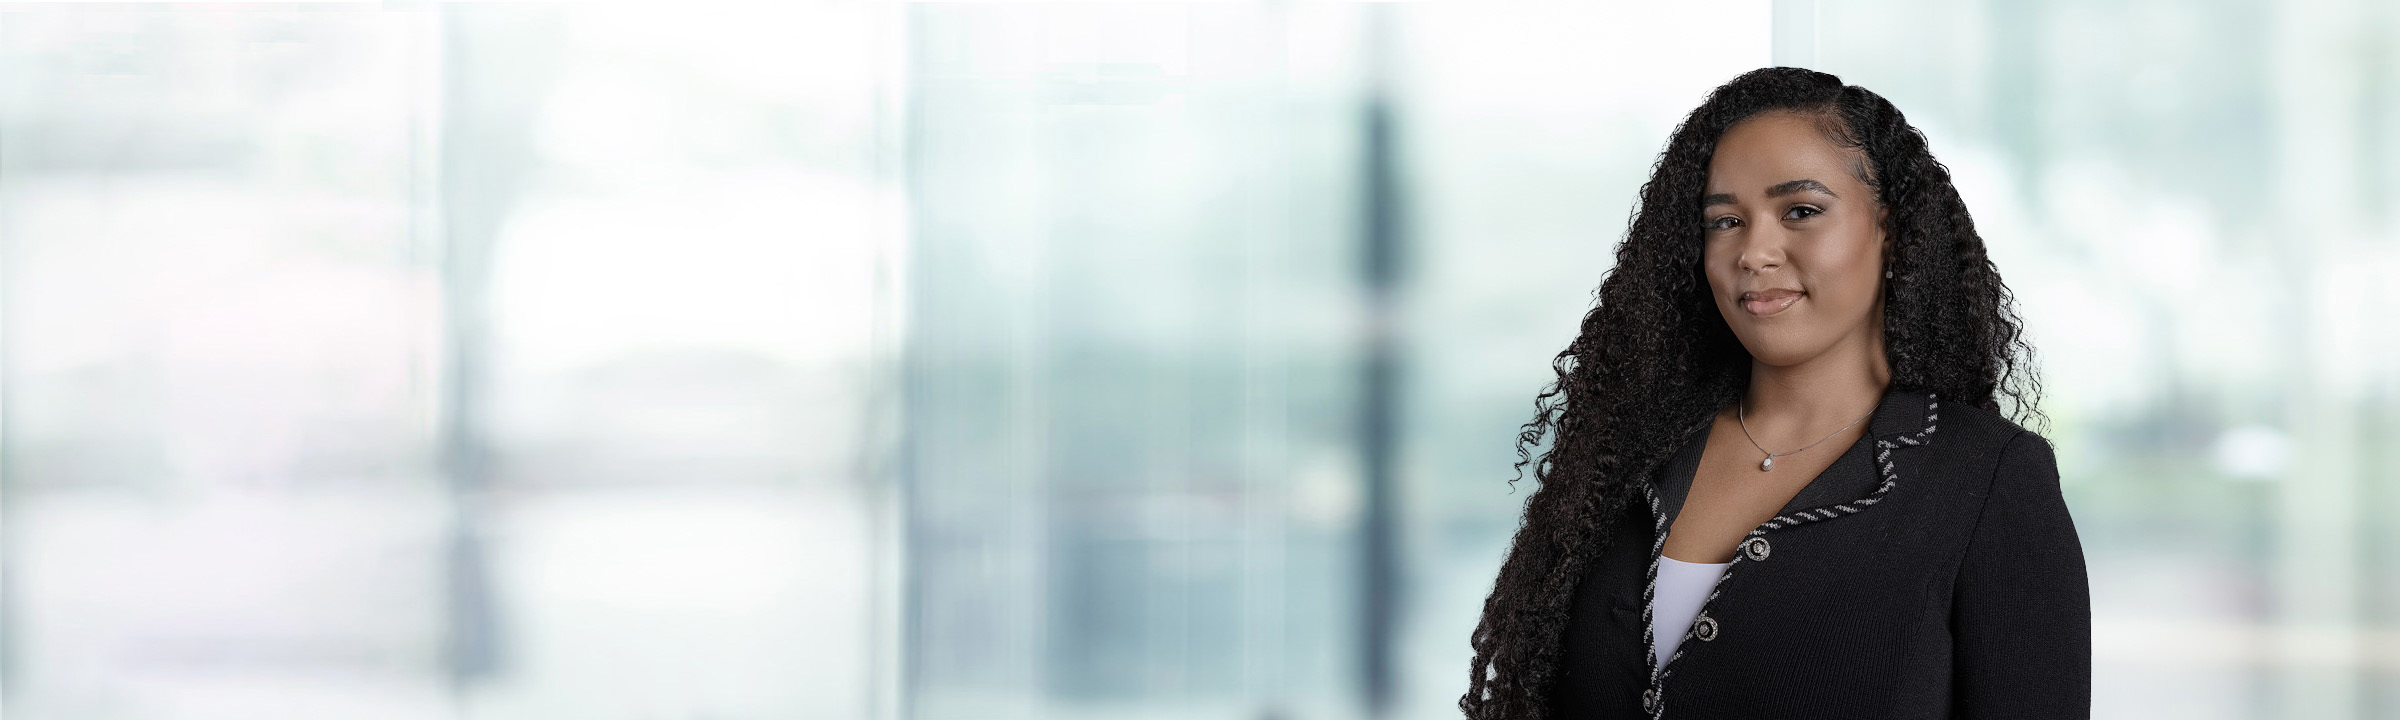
{"x": 1980, "y": 429}
{"x": 1980, "y": 453}
{"x": 2020, "y": 461}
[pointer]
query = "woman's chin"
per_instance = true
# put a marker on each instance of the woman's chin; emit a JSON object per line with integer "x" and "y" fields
{"x": 1782, "y": 351}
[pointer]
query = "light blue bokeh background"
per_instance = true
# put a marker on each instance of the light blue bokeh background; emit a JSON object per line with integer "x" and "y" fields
{"x": 1004, "y": 360}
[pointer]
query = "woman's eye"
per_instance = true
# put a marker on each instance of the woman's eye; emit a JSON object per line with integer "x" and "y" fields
{"x": 1719, "y": 223}
{"x": 1796, "y": 208}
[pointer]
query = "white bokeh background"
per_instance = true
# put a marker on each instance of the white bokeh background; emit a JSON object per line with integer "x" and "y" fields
{"x": 1007, "y": 360}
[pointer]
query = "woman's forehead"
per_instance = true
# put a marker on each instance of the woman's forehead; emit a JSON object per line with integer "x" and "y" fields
{"x": 1772, "y": 149}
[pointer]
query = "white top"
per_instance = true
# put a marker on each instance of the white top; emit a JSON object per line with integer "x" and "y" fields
{"x": 1682, "y": 587}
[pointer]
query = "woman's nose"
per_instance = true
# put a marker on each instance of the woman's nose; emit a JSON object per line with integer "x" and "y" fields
{"x": 1762, "y": 248}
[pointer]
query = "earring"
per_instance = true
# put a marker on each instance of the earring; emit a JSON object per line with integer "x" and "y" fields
{"x": 1887, "y": 272}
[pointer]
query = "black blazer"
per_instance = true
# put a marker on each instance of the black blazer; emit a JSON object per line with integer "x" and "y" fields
{"x": 1923, "y": 574}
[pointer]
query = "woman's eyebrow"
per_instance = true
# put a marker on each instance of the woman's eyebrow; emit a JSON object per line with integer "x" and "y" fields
{"x": 1780, "y": 189}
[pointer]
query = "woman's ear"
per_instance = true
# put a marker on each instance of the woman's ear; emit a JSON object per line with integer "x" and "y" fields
{"x": 1883, "y": 217}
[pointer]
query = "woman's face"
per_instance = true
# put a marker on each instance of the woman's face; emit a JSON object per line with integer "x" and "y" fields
{"x": 1794, "y": 241}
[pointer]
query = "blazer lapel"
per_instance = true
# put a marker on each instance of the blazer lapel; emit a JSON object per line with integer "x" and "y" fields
{"x": 1853, "y": 476}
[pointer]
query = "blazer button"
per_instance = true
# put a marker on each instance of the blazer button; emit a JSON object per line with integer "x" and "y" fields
{"x": 1650, "y": 700}
{"x": 1705, "y": 628}
{"x": 1756, "y": 548}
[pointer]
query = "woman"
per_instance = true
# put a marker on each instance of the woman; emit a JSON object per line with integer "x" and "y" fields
{"x": 1780, "y": 485}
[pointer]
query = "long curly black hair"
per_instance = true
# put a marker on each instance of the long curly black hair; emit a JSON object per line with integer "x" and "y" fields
{"x": 1655, "y": 361}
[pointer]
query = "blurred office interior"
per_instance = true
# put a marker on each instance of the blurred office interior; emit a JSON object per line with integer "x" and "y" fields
{"x": 998, "y": 361}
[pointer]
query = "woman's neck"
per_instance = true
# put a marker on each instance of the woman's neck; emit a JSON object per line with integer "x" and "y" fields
{"x": 1813, "y": 397}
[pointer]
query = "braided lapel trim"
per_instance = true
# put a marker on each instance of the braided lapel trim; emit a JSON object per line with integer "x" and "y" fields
{"x": 1657, "y": 705}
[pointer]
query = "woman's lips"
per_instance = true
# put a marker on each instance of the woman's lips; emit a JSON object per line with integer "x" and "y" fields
{"x": 1768, "y": 302}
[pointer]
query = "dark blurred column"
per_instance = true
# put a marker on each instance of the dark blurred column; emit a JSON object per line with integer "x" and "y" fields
{"x": 1382, "y": 248}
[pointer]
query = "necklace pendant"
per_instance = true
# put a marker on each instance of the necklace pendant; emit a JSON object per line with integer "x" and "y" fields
{"x": 1767, "y": 464}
